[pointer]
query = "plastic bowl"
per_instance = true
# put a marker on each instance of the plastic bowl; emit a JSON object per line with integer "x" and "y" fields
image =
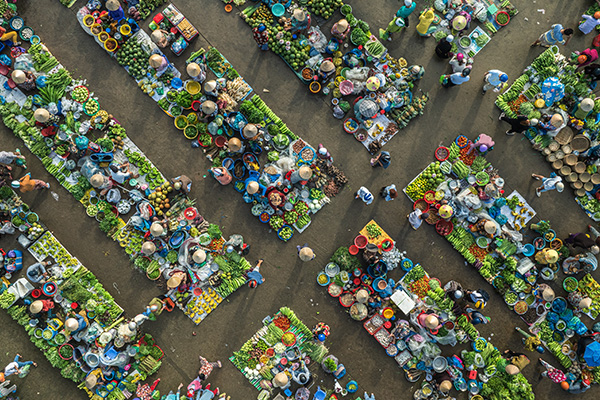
{"x": 278, "y": 10}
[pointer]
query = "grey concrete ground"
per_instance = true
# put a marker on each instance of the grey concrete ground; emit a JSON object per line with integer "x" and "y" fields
{"x": 288, "y": 282}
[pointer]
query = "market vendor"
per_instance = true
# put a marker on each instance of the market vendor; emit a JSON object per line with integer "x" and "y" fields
{"x": 484, "y": 227}
{"x": 182, "y": 183}
{"x": 592, "y": 72}
{"x": 454, "y": 290}
{"x": 326, "y": 69}
{"x": 76, "y": 323}
{"x": 444, "y": 48}
{"x": 235, "y": 146}
{"x": 301, "y": 175}
{"x": 25, "y": 80}
{"x": 12, "y": 157}
{"x": 300, "y": 20}
{"x": 101, "y": 182}
{"x": 159, "y": 63}
{"x": 221, "y": 174}
{"x": 211, "y": 88}
{"x": 177, "y": 279}
{"x": 429, "y": 320}
{"x": 584, "y": 108}
{"x": 482, "y": 144}
{"x": 253, "y": 187}
{"x": 161, "y": 37}
{"x": 12, "y": 36}
{"x": 158, "y": 229}
{"x": 36, "y": 272}
{"x": 546, "y": 256}
{"x": 585, "y": 57}
{"x": 587, "y": 263}
{"x": 115, "y": 11}
{"x": 261, "y": 36}
{"x": 40, "y": 306}
{"x": 323, "y": 154}
{"x": 197, "y": 72}
{"x": 121, "y": 172}
{"x": 340, "y": 29}
{"x": 94, "y": 378}
{"x": 461, "y": 22}
{"x": 415, "y": 72}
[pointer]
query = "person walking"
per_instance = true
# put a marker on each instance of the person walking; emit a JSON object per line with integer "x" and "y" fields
{"x": 444, "y": 47}
{"x": 553, "y": 182}
{"x": 9, "y": 157}
{"x": 207, "y": 367}
{"x": 517, "y": 125}
{"x": 36, "y": 272}
{"x": 555, "y": 375}
{"x": 389, "y": 193}
{"x": 494, "y": 79}
{"x": 556, "y": 35}
{"x": 305, "y": 253}
{"x": 478, "y": 297}
{"x": 395, "y": 25}
{"x": 16, "y": 366}
{"x": 324, "y": 154}
{"x": 477, "y": 317}
{"x": 416, "y": 218}
{"x": 365, "y": 195}
{"x": 405, "y": 11}
{"x": 382, "y": 159}
{"x": 458, "y": 63}
{"x": 589, "y": 22}
{"x": 26, "y": 184}
{"x": 456, "y": 78}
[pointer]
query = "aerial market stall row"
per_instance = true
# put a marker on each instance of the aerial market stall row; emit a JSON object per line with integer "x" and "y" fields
{"x": 151, "y": 217}
{"x": 414, "y": 320}
{"x": 69, "y": 315}
{"x": 466, "y": 202}
{"x": 284, "y": 178}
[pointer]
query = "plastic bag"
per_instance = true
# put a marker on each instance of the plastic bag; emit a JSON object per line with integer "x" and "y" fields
{"x": 24, "y": 62}
{"x": 317, "y": 38}
{"x": 358, "y": 74}
{"x": 314, "y": 61}
{"x": 286, "y": 164}
{"x": 514, "y": 236}
{"x": 7, "y": 229}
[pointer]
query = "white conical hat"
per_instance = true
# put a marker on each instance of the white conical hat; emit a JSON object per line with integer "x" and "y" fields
{"x": 157, "y": 35}
{"x": 431, "y": 322}
{"x": 585, "y": 303}
{"x": 362, "y": 296}
{"x": 156, "y": 229}
{"x": 511, "y": 369}
{"x": 41, "y": 115}
{"x": 199, "y": 256}
{"x": 250, "y": 130}
{"x": 209, "y": 107}
{"x": 234, "y": 144}
{"x": 155, "y": 61}
{"x": 445, "y": 386}
{"x": 90, "y": 381}
{"x": 299, "y": 14}
{"x": 556, "y": 120}
{"x": 548, "y": 294}
{"x": 490, "y": 227}
{"x": 305, "y": 172}
{"x": 71, "y": 324}
{"x": 113, "y": 5}
{"x": 148, "y": 248}
{"x": 280, "y": 380}
{"x": 36, "y": 307}
{"x": 174, "y": 281}
{"x": 342, "y": 25}
{"x": 587, "y": 104}
{"x": 18, "y": 76}
{"x": 306, "y": 254}
{"x": 97, "y": 180}
{"x": 193, "y": 69}
{"x": 252, "y": 187}
{"x": 210, "y": 86}
{"x": 327, "y": 66}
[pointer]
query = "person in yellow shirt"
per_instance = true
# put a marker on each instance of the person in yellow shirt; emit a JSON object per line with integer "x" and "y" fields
{"x": 424, "y": 27}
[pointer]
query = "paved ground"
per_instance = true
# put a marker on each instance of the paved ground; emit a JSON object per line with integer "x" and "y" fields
{"x": 288, "y": 282}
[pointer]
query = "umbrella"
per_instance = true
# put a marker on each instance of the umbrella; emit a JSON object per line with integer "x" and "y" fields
{"x": 592, "y": 354}
{"x": 552, "y": 90}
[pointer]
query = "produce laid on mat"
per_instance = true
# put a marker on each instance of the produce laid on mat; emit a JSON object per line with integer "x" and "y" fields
{"x": 79, "y": 150}
{"x": 554, "y": 87}
{"x": 413, "y": 318}
{"x": 478, "y": 210}
{"x": 70, "y": 316}
{"x": 291, "y": 356}
{"x": 371, "y": 90}
{"x": 240, "y": 135}
{"x": 488, "y": 16}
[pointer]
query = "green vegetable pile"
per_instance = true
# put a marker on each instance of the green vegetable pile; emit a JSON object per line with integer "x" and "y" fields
{"x": 286, "y": 233}
{"x": 290, "y": 49}
{"x": 251, "y": 112}
{"x": 324, "y": 8}
{"x": 373, "y": 231}
{"x": 345, "y": 260}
